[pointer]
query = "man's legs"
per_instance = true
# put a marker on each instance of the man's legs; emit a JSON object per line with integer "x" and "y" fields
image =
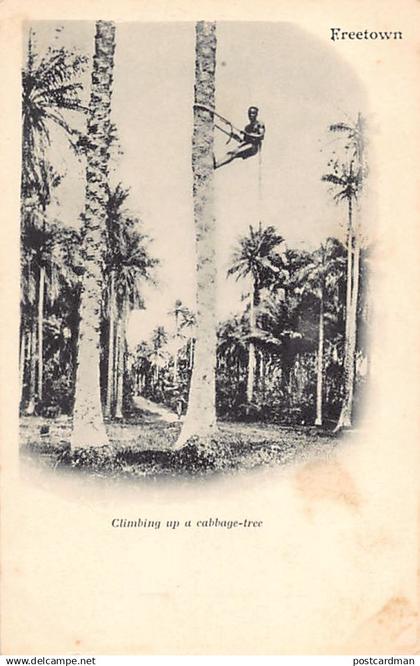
{"x": 244, "y": 151}
{"x": 230, "y": 156}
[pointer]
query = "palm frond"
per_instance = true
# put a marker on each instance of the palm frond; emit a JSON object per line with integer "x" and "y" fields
{"x": 332, "y": 178}
{"x": 341, "y": 127}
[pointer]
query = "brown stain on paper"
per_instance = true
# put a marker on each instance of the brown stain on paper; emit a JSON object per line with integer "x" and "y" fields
{"x": 327, "y": 481}
{"x": 392, "y": 629}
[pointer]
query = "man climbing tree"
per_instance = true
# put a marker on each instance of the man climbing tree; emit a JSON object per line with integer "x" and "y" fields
{"x": 250, "y": 139}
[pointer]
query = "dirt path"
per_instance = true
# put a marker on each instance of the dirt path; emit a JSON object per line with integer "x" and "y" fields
{"x": 163, "y": 413}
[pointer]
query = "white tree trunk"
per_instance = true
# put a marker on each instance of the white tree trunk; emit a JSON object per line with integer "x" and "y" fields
{"x": 30, "y": 407}
{"x": 120, "y": 365}
{"x": 175, "y": 367}
{"x": 320, "y": 364}
{"x": 176, "y": 350}
{"x": 191, "y": 355}
{"x": 41, "y": 292}
{"x": 263, "y": 370}
{"x": 88, "y": 424}
{"x": 22, "y": 361}
{"x": 345, "y": 419}
{"x": 200, "y": 419}
{"x": 115, "y": 363}
{"x": 349, "y": 274}
{"x": 110, "y": 365}
{"x": 251, "y": 347}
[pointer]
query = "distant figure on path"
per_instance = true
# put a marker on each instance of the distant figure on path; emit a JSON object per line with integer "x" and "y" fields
{"x": 180, "y": 407}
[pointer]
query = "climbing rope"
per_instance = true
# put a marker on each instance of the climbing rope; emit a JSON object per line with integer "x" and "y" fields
{"x": 233, "y": 130}
{"x": 235, "y": 133}
{"x": 260, "y": 175}
{"x": 260, "y": 185}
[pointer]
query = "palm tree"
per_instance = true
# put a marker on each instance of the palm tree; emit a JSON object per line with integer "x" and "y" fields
{"x": 319, "y": 277}
{"x": 127, "y": 263}
{"x": 142, "y": 365}
{"x": 46, "y": 267}
{"x": 50, "y": 89}
{"x": 61, "y": 316}
{"x": 200, "y": 419}
{"x": 134, "y": 265}
{"x": 158, "y": 356}
{"x": 42, "y": 244}
{"x": 355, "y": 138}
{"x": 88, "y": 425}
{"x": 48, "y": 278}
{"x": 348, "y": 178}
{"x": 28, "y": 326}
{"x": 279, "y": 319}
{"x": 114, "y": 222}
{"x": 188, "y": 323}
{"x": 181, "y": 316}
{"x": 256, "y": 257}
{"x": 50, "y": 86}
{"x": 232, "y": 348}
{"x": 39, "y": 236}
{"x": 177, "y": 312}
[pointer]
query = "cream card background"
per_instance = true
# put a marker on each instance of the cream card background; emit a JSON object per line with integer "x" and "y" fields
{"x": 333, "y": 570}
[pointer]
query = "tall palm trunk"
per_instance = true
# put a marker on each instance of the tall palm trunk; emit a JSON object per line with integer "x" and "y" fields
{"x": 115, "y": 364}
{"x": 251, "y": 347}
{"x": 345, "y": 419}
{"x": 353, "y": 319}
{"x": 175, "y": 367}
{"x": 200, "y": 418}
{"x": 41, "y": 293}
{"x": 88, "y": 424}
{"x": 349, "y": 274}
{"x": 156, "y": 373}
{"x": 110, "y": 365}
{"x": 191, "y": 358}
{"x": 120, "y": 364}
{"x": 22, "y": 362}
{"x": 30, "y": 407}
{"x": 263, "y": 370}
{"x": 320, "y": 364}
{"x": 176, "y": 350}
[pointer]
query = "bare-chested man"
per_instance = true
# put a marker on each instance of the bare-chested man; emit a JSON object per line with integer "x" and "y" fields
{"x": 250, "y": 140}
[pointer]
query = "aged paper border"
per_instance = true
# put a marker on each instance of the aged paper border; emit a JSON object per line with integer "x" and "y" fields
{"x": 334, "y": 570}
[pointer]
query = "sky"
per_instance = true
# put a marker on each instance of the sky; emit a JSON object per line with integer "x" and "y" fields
{"x": 300, "y": 87}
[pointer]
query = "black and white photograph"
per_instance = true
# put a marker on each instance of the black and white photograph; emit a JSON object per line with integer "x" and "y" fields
{"x": 209, "y": 339}
{"x": 195, "y": 240}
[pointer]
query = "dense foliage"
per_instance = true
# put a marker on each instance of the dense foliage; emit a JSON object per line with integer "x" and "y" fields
{"x": 295, "y": 354}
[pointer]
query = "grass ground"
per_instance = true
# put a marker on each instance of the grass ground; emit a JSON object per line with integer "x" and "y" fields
{"x": 143, "y": 446}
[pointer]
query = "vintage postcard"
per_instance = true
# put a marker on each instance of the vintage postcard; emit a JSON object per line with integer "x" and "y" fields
{"x": 209, "y": 340}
